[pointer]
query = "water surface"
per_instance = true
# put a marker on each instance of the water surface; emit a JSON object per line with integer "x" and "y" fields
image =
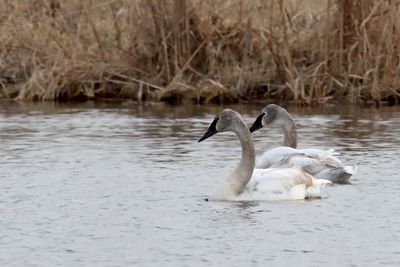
{"x": 99, "y": 184}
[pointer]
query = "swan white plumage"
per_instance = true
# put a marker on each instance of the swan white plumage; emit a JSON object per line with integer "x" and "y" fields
{"x": 322, "y": 164}
{"x": 247, "y": 183}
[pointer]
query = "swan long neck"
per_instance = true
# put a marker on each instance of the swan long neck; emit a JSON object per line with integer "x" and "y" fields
{"x": 289, "y": 130}
{"x": 243, "y": 172}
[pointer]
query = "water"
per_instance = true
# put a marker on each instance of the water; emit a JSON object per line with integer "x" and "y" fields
{"x": 100, "y": 184}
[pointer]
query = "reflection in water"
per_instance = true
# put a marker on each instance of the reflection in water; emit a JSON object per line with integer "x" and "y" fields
{"x": 124, "y": 184}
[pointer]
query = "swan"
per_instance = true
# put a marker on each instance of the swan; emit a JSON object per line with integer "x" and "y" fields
{"x": 321, "y": 164}
{"x": 247, "y": 183}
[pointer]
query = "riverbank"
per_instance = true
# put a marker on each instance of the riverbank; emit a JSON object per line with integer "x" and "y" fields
{"x": 306, "y": 52}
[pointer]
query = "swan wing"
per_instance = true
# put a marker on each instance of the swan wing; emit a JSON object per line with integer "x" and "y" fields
{"x": 274, "y": 155}
{"x": 325, "y": 167}
{"x": 322, "y": 164}
{"x": 278, "y": 184}
{"x": 319, "y": 152}
{"x": 315, "y": 190}
{"x": 337, "y": 175}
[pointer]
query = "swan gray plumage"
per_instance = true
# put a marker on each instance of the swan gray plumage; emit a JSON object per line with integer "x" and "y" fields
{"x": 247, "y": 183}
{"x": 322, "y": 164}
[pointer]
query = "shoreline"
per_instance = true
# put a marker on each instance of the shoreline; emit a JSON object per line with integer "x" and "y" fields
{"x": 308, "y": 52}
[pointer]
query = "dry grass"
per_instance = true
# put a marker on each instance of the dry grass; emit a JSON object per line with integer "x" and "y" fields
{"x": 306, "y": 51}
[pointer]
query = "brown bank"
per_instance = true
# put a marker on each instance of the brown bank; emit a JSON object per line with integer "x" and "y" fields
{"x": 307, "y": 52}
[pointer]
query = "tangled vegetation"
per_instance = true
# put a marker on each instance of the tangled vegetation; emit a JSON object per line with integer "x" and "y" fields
{"x": 306, "y": 51}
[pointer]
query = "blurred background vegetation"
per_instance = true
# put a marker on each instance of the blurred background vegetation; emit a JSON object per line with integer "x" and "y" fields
{"x": 305, "y": 51}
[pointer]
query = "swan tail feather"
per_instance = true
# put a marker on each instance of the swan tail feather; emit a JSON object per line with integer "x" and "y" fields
{"x": 351, "y": 169}
{"x": 337, "y": 175}
{"x": 321, "y": 182}
{"x": 317, "y": 187}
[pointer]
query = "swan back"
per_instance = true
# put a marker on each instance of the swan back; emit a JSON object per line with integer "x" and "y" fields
{"x": 282, "y": 184}
{"x": 321, "y": 164}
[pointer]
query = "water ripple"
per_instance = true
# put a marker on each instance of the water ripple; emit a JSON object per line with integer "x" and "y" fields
{"x": 96, "y": 184}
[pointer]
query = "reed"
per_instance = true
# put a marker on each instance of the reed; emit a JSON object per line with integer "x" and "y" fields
{"x": 306, "y": 51}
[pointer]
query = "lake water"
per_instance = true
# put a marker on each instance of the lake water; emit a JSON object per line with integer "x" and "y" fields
{"x": 99, "y": 184}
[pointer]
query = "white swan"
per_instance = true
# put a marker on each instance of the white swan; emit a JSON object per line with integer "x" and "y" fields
{"x": 322, "y": 164}
{"x": 245, "y": 183}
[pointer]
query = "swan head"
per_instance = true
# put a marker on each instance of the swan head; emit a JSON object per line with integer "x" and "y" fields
{"x": 272, "y": 113}
{"x": 226, "y": 120}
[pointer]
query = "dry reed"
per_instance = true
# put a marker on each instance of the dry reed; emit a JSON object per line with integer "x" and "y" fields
{"x": 306, "y": 51}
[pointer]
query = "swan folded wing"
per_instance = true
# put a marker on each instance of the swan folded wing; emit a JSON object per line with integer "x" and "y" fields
{"x": 273, "y": 155}
{"x": 309, "y": 163}
{"x": 316, "y": 152}
{"x": 286, "y": 184}
{"x": 279, "y": 157}
{"x": 322, "y": 166}
{"x": 273, "y": 184}
{"x": 323, "y": 157}
{"x": 315, "y": 190}
{"x": 337, "y": 175}
{"x": 326, "y": 167}
{"x": 306, "y": 162}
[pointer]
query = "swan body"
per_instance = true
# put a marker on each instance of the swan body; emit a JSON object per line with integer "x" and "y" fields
{"x": 283, "y": 184}
{"x": 273, "y": 184}
{"x": 247, "y": 183}
{"x": 322, "y": 164}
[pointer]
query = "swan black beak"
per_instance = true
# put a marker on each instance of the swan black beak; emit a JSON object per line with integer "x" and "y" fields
{"x": 211, "y": 130}
{"x": 257, "y": 123}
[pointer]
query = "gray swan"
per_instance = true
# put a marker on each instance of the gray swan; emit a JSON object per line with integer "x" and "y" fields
{"x": 322, "y": 164}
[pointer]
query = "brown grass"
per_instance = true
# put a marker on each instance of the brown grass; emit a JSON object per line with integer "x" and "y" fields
{"x": 306, "y": 51}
